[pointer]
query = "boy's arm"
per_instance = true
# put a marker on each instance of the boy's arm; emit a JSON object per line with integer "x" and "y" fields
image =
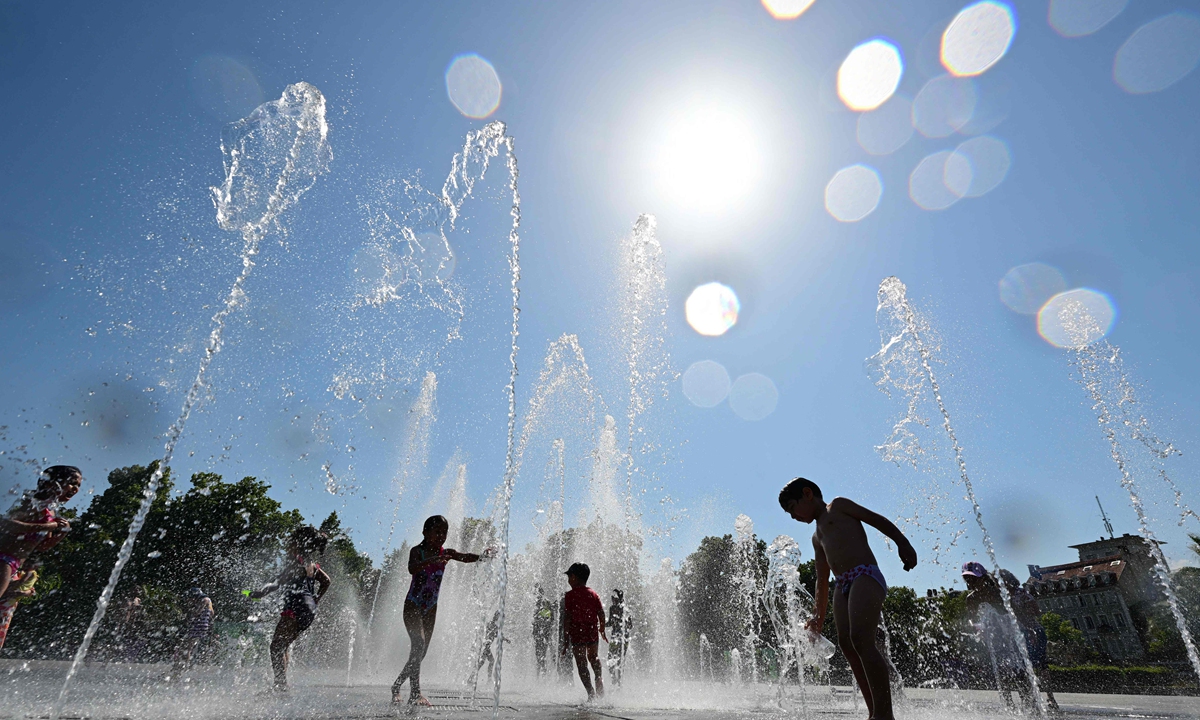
{"x": 601, "y": 616}
{"x": 908, "y": 555}
{"x": 822, "y": 599}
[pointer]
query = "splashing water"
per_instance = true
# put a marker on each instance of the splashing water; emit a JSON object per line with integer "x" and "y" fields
{"x": 644, "y": 335}
{"x": 749, "y": 581}
{"x": 414, "y": 457}
{"x": 788, "y": 607}
{"x": 1098, "y": 362}
{"x": 350, "y": 645}
{"x": 905, "y": 362}
{"x": 272, "y": 157}
{"x": 478, "y": 151}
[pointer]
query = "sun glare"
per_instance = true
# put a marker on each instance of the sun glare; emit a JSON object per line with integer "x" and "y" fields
{"x": 709, "y": 159}
{"x": 787, "y": 9}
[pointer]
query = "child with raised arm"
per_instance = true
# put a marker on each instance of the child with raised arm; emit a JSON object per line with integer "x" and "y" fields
{"x": 303, "y": 582}
{"x": 427, "y": 563}
{"x": 840, "y": 545}
{"x": 31, "y": 525}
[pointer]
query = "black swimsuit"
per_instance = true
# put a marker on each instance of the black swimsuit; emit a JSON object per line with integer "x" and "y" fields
{"x": 300, "y": 602}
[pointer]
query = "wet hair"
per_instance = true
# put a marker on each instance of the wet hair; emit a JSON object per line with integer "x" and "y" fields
{"x": 55, "y": 477}
{"x": 795, "y": 491}
{"x": 307, "y": 538}
{"x": 435, "y": 521}
{"x": 579, "y": 570}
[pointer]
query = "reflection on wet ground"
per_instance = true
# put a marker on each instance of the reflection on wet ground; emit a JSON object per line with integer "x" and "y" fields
{"x": 133, "y": 692}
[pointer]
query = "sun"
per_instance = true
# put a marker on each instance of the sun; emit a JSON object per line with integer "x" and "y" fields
{"x": 708, "y": 158}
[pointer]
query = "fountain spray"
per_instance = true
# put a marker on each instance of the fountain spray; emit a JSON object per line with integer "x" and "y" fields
{"x": 910, "y": 351}
{"x": 1090, "y": 350}
{"x": 272, "y": 157}
{"x": 414, "y": 457}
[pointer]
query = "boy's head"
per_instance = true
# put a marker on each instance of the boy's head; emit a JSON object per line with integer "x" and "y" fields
{"x": 801, "y": 498}
{"x": 578, "y": 574}
{"x": 59, "y": 482}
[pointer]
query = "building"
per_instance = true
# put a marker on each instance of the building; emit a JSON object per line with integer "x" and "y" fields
{"x": 1097, "y": 593}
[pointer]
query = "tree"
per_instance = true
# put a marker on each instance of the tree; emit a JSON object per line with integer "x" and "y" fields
{"x": 222, "y": 537}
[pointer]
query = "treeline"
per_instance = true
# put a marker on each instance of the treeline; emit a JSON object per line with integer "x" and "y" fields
{"x": 223, "y": 537}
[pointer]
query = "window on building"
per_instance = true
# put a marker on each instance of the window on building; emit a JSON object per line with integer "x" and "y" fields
{"x": 1120, "y": 620}
{"x": 1074, "y": 623}
{"x": 1087, "y": 619}
{"x": 1103, "y": 620}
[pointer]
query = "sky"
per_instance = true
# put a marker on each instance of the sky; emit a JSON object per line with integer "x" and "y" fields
{"x": 722, "y": 121}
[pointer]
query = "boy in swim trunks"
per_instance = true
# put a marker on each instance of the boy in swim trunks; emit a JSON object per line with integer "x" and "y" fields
{"x": 583, "y": 622}
{"x": 840, "y": 545}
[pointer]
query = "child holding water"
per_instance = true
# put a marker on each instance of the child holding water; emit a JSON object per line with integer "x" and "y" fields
{"x": 840, "y": 545}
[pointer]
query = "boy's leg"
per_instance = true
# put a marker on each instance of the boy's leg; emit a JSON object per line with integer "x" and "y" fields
{"x": 593, "y": 654}
{"x": 841, "y": 620}
{"x": 863, "y": 610}
{"x": 580, "y": 652}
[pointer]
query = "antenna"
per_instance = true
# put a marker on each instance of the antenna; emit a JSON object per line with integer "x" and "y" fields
{"x": 1107, "y": 524}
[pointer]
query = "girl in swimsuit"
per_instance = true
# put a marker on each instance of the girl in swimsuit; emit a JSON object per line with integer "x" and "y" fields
{"x": 427, "y": 563}
{"x": 31, "y": 525}
{"x": 304, "y": 582}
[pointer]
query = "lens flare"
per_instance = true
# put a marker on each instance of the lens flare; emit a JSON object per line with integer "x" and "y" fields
{"x": 977, "y": 166}
{"x": 1076, "y": 318}
{"x": 978, "y": 37}
{"x": 753, "y": 396}
{"x": 712, "y": 309}
{"x": 853, "y": 193}
{"x": 706, "y": 383}
{"x": 944, "y": 105}
{"x": 886, "y": 129}
{"x": 869, "y": 75}
{"x": 1158, "y": 54}
{"x": 1026, "y": 288}
{"x": 1076, "y": 18}
{"x": 473, "y": 86}
{"x": 927, "y": 183}
{"x": 787, "y": 9}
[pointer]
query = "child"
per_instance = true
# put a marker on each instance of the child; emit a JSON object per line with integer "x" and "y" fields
{"x": 840, "y": 545}
{"x": 543, "y": 627}
{"x": 427, "y": 563}
{"x": 31, "y": 525}
{"x": 199, "y": 625}
{"x": 304, "y": 582}
{"x": 489, "y": 637}
{"x": 618, "y": 647}
{"x": 582, "y": 614}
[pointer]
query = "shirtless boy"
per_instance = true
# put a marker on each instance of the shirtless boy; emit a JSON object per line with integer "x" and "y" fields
{"x": 840, "y": 544}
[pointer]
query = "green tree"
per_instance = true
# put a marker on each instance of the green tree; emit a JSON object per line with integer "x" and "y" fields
{"x": 220, "y": 536}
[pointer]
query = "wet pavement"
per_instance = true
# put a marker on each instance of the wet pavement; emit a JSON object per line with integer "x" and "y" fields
{"x": 133, "y": 692}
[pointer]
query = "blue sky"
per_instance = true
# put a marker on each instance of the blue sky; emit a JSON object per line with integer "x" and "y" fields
{"x": 112, "y": 254}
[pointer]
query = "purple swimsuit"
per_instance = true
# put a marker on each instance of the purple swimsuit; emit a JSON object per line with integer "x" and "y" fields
{"x": 846, "y": 579}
